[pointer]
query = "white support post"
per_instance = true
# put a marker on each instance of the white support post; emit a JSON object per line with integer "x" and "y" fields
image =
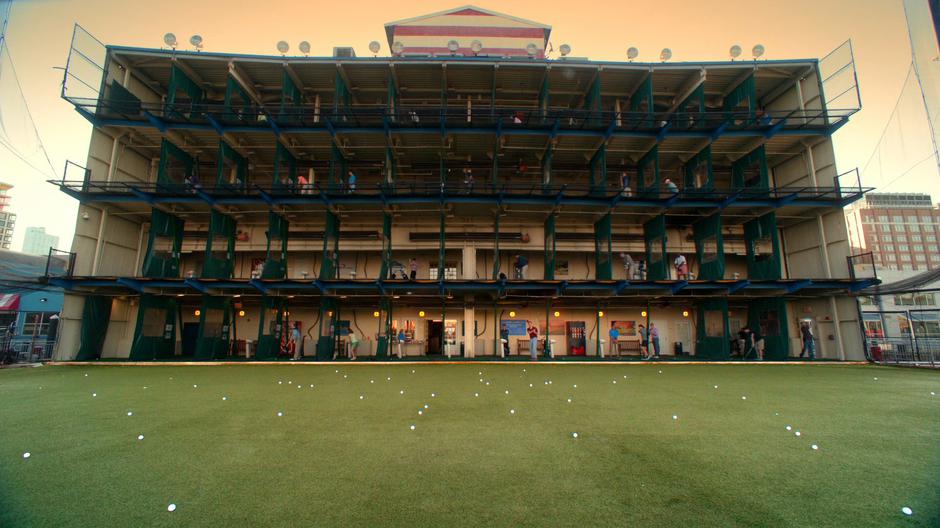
{"x": 469, "y": 330}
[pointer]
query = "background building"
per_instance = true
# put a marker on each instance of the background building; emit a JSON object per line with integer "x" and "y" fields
{"x": 37, "y": 242}
{"x": 7, "y": 219}
{"x": 901, "y": 230}
{"x": 219, "y": 206}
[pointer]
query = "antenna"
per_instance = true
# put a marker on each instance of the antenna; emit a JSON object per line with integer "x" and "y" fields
{"x": 196, "y": 41}
{"x": 374, "y": 47}
{"x": 304, "y": 47}
{"x": 282, "y": 46}
{"x": 170, "y": 40}
{"x": 633, "y": 53}
{"x": 734, "y": 52}
{"x": 665, "y": 55}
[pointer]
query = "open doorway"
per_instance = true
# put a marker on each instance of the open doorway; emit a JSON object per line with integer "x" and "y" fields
{"x": 435, "y": 335}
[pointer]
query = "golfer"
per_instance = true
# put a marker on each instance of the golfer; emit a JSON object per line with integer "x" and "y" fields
{"x": 401, "y": 339}
{"x": 644, "y": 342}
{"x": 614, "y": 335}
{"x": 654, "y": 336}
{"x": 533, "y": 341}
{"x": 353, "y": 345}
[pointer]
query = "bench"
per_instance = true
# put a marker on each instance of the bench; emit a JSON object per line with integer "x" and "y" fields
{"x": 630, "y": 347}
{"x": 522, "y": 346}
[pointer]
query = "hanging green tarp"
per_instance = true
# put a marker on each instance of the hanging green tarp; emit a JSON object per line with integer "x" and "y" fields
{"x": 215, "y": 323}
{"x": 750, "y": 171}
{"x": 237, "y": 103}
{"x": 592, "y": 101}
{"x": 342, "y": 99}
{"x": 654, "y": 235}
{"x": 769, "y": 318}
{"x": 385, "y": 329}
{"x": 272, "y": 327}
{"x": 285, "y": 170}
{"x": 763, "y": 247}
{"x": 176, "y": 167}
{"x": 275, "y": 264}
{"x": 231, "y": 168}
{"x": 442, "y": 246}
{"x": 291, "y": 100}
{"x": 386, "y": 246}
{"x": 741, "y": 104}
{"x": 338, "y": 169}
{"x": 602, "y": 248}
{"x": 641, "y": 103}
{"x": 95, "y": 317}
{"x": 155, "y": 332}
{"x": 164, "y": 243}
{"x": 219, "y": 260}
{"x": 709, "y": 248}
{"x": 647, "y": 174}
{"x": 698, "y": 172}
{"x": 329, "y": 266}
{"x": 598, "y": 167}
{"x": 713, "y": 336}
{"x": 550, "y": 247}
{"x": 329, "y": 315}
{"x": 690, "y": 112}
{"x": 496, "y": 263}
{"x": 120, "y": 101}
{"x": 184, "y": 97}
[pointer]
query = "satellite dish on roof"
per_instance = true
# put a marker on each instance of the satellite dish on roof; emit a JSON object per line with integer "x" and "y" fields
{"x": 282, "y": 46}
{"x": 397, "y": 47}
{"x": 531, "y": 49}
{"x": 665, "y": 55}
{"x": 564, "y": 49}
{"x": 304, "y": 47}
{"x": 196, "y": 41}
{"x": 476, "y": 46}
{"x": 453, "y": 46}
{"x": 632, "y": 53}
{"x": 734, "y": 52}
{"x": 170, "y": 40}
{"x": 757, "y": 51}
{"x": 374, "y": 46}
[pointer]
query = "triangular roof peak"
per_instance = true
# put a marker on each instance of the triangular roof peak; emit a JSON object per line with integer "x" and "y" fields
{"x": 470, "y": 10}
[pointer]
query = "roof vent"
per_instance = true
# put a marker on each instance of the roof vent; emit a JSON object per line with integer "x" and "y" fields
{"x": 344, "y": 52}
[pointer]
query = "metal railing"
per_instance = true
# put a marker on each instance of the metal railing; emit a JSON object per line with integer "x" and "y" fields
{"x": 903, "y": 337}
{"x": 26, "y": 349}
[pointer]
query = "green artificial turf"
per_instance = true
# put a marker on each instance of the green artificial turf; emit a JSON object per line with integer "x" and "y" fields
{"x": 334, "y": 459}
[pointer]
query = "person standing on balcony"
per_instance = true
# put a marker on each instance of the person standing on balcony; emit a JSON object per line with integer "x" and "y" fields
{"x": 625, "y": 190}
{"x": 414, "y": 268}
{"x": 671, "y": 187}
{"x": 809, "y": 341}
{"x": 533, "y": 332}
{"x": 654, "y": 337}
{"x": 682, "y": 267}
{"x": 522, "y": 266}
{"x": 351, "y": 182}
{"x": 629, "y": 265}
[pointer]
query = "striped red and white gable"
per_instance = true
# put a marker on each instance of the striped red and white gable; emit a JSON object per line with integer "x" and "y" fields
{"x": 501, "y": 35}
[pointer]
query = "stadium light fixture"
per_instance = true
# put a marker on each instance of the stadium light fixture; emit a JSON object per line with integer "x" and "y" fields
{"x": 632, "y": 53}
{"x": 374, "y": 47}
{"x": 283, "y": 47}
{"x": 397, "y": 47}
{"x": 170, "y": 40}
{"x": 665, "y": 54}
{"x": 304, "y": 47}
{"x": 735, "y": 52}
{"x": 758, "y": 51}
{"x": 531, "y": 49}
{"x": 476, "y": 46}
{"x": 453, "y": 46}
{"x": 564, "y": 49}
{"x": 196, "y": 41}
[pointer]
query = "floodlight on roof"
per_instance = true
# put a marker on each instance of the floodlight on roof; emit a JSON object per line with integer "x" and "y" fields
{"x": 374, "y": 46}
{"x": 757, "y": 51}
{"x": 476, "y": 46}
{"x": 453, "y": 46}
{"x": 632, "y": 53}
{"x": 304, "y": 47}
{"x": 564, "y": 49}
{"x": 397, "y": 47}
{"x": 531, "y": 49}
{"x": 735, "y": 52}
{"x": 665, "y": 54}
{"x": 170, "y": 40}
{"x": 282, "y": 46}
{"x": 196, "y": 41}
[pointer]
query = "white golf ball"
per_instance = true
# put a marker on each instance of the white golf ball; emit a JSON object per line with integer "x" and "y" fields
{"x": 224, "y": 398}
{"x": 569, "y": 400}
{"x": 337, "y": 371}
{"x": 487, "y": 383}
{"x": 425, "y": 406}
{"x": 933, "y": 393}
{"x": 289, "y": 382}
{"x": 311, "y": 385}
{"x": 815, "y": 447}
{"x": 401, "y": 392}
{"x": 94, "y": 394}
{"x": 716, "y": 386}
{"x": 624, "y": 377}
{"x": 575, "y": 435}
{"x": 86, "y": 375}
{"x": 300, "y": 386}
{"x": 512, "y": 411}
{"x": 412, "y": 371}
{"x": 194, "y": 386}
{"x": 523, "y": 370}
{"x": 907, "y": 511}
{"x": 615, "y": 382}
{"x": 576, "y": 385}
{"x": 412, "y": 427}
{"x": 530, "y": 385}
{"x": 371, "y": 381}
{"x": 797, "y": 433}
{"x": 480, "y": 373}
{"x": 549, "y": 382}
{"x": 388, "y": 379}
{"x": 279, "y": 413}
{"x": 789, "y": 428}
{"x": 433, "y": 395}
{"x": 130, "y": 413}
{"x": 481, "y": 380}
{"x": 140, "y": 437}
{"x": 476, "y": 394}
{"x": 420, "y": 412}
{"x": 876, "y": 379}
{"x": 27, "y": 454}
{"x": 675, "y": 417}
{"x": 660, "y": 372}
{"x": 345, "y": 376}
{"x": 171, "y": 507}
{"x": 743, "y": 397}
{"x": 361, "y": 397}
{"x": 507, "y": 392}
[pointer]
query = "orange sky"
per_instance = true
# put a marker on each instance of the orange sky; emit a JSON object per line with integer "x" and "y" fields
{"x": 40, "y": 31}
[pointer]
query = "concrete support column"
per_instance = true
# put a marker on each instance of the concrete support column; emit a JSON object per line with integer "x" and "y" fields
{"x": 469, "y": 263}
{"x": 469, "y": 339}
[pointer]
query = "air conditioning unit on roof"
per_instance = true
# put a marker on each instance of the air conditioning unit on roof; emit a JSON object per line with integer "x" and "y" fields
{"x": 344, "y": 52}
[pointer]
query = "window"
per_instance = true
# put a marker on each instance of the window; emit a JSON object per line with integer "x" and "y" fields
{"x": 561, "y": 268}
{"x": 36, "y": 324}
{"x": 763, "y": 248}
{"x": 450, "y": 272}
{"x": 898, "y": 228}
{"x": 912, "y": 219}
{"x": 918, "y": 247}
{"x": 905, "y": 258}
{"x": 865, "y": 300}
{"x": 154, "y": 321}
{"x": 714, "y": 323}
{"x": 889, "y": 247}
{"x": 902, "y": 238}
{"x": 882, "y": 218}
{"x": 903, "y": 247}
{"x": 887, "y": 238}
{"x": 897, "y": 219}
{"x": 920, "y": 257}
{"x": 709, "y": 249}
{"x": 931, "y": 238}
{"x": 923, "y": 299}
{"x": 162, "y": 247}
{"x": 916, "y": 238}
{"x": 874, "y": 328}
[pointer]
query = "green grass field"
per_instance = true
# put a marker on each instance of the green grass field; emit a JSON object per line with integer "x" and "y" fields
{"x": 343, "y": 453}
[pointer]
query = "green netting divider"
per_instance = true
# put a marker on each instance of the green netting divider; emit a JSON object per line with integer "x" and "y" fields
{"x": 746, "y": 93}
{"x": 275, "y": 264}
{"x": 180, "y": 82}
{"x": 237, "y": 102}
{"x": 215, "y": 324}
{"x": 647, "y": 174}
{"x": 654, "y": 236}
{"x": 769, "y": 318}
{"x": 285, "y": 169}
{"x": 338, "y": 168}
{"x": 329, "y": 314}
{"x": 341, "y": 96}
{"x": 750, "y": 171}
{"x": 95, "y": 317}
{"x": 176, "y": 167}
{"x": 121, "y": 101}
{"x": 713, "y": 335}
{"x": 693, "y": 105}
{"x": 598, "y": 167}
{"x": 710, "y": 248}
{"x": 442, "y": 247}
{"x": 231, "y": 168}
{"x": 641, "y": 102}
{"x": 220, "y": 247}
{"x": 329, "y": 266}
{"x": 698, "y": 171}
{"x": 602, "y": 249}
{"x": 291, "y": 100}
{"x": 496, "y": 263}
{"x": 386, "y": 246}
{"x": 164, "y": 243}
{"x": 550, "y": 247}
{"x": 383, "y": 338}
{"x": 272, "y": 327}
{"x": 592, "y": 101}
{"x": 763, "y": 247}
{"x": 155, "y": 332}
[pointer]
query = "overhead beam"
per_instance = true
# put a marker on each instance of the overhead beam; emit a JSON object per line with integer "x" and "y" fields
{"x": 687, "y": 89}
{"x": 782, "y": 88}
{"x": 342, "y": 74}
{"x": 245, "y": 82}
{"x": 738, "y": 80}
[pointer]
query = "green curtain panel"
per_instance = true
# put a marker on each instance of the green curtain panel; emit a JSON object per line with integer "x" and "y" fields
{"x": 231, "y": 168}
{"x": 602, "y": 248}
{"x": 285, "y": 170}
{"x": 291, "y": 100}
{"x": 272, "y": 327}
{"x": 183, "y": 96}
{"x": 654, "y": 235}
{"x": 220, "y": 247}
{"x": 769, "y": 317}
{"x": 750, "y": 171}
{"x": 713, "y": 335}
{"x": 709, "y": 248}
{"x": 176, "y": 167}
{"x": 647, "y": 174}
{"x": 763, "y": 247}
{"x": 155, "y": 332}
{"x": 698, "y": 172}
{"x": 329, "y": 315}
{"x": 237, "y": 103}
{"x": 119, "y": 101}
{"x": 95, "y": 317}
{"x": 741, "y": 103}
{"x": 386, "y": 246}
{"x": 275, "y": 264}
{"x": 164, "y": 243}
{"x": 215, "y": 324}
{"x": 550, "y": 247}
{"x": 329, "y": 266}
{"x": 598, "y": 167}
